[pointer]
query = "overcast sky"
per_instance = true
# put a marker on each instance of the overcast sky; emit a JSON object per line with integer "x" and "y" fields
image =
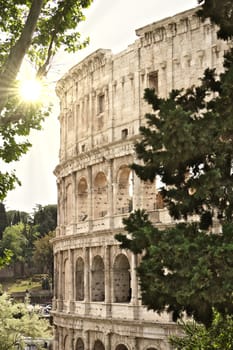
{"x": 110, "y": 25}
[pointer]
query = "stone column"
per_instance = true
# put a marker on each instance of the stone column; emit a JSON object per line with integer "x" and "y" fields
{"x": 55, "y": 338}
{"x": 108, "y": 341}
{"x": 93, "y": 114}
{"x": 90, "y": 197}
{"x": 134, "y": 343}
{"x": 72, "y": 281}
{"x": 108, "y": 281}
{"x": 55, "y": 276}
{"x": 137, "y": 193}
{"x": 87, "y": 278}
{"x": 110, "y": 192}
{"x": 134, "y": 286}
{"x": 62, "y": 206}
{"x": 60, "y": 272}
{"x": 74, "y": 209}
{"x": 86, "y": 340}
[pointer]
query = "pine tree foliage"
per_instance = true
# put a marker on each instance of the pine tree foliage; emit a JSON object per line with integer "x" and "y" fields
{"x": 188, "y": 143}
{"x": 182, "y": 269}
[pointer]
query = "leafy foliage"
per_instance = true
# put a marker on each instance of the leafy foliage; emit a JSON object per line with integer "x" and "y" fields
{"x": 14, "y": 240}
{"x": 36, "y": 30}
{"x": 43, "y": 252}
{"x": 16, "y": 322}
{"x": 45, "y": 218}
{"x": 3, "y": 219}
{"x": 218, "y": 336}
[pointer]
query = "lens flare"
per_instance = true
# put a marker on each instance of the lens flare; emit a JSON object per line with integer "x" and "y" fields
{"x": 30, "y": 90}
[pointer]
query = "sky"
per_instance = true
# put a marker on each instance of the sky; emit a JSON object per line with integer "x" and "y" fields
{"x": 109, "y": 25}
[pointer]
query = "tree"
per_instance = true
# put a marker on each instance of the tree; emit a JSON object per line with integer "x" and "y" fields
{"x": 196, "y": 336}
{"x": 182, "y": 269}
{"x": 16, "y": 216}
{"x": 188, "y": 143}
{"x": 43, "y": 253}
{"x": 3, "y": 219}
{"x": 14, "y": 240}
{"x": 45, "y": 218}
{"x": 34, "y": 29}
{"x": 17, "y": 322}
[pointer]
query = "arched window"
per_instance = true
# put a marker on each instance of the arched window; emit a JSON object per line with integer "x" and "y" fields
{"x": 82, "y": 201}
{"x": 124, "y": 195}
{"x": 98, "y": 345}
{"x": 100, "y": 196}
{"x": 97, "y": 279}
{"x": 79, "y": 344}
{"x": 79, "y": 279}
{"x": 121, "y": 279}
{"x": 121, "y": 347}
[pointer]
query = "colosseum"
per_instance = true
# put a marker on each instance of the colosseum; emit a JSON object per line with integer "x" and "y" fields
{"x": 96, "y": 304}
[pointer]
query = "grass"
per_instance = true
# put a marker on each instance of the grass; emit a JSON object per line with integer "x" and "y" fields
{"x": 21, "y": 285}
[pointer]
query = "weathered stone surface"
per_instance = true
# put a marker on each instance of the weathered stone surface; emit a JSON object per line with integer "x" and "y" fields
{"x": 97, "y": 298}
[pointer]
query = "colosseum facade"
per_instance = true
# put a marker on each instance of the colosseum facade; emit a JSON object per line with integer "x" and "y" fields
{"x": 96, "y": 303}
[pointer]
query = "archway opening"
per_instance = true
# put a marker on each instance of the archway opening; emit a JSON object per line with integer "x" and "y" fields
{"x": 98, "y": 345}
{"x": 121, "y": 279}
{"x": 121, "y": 347}
{"x": 124, "y": 195}
{"x": 100, "y": 196}
{"x": 97, "y": 279}
{"x": 79, "y": 344}
{"x": 80, "y": 279}
{"x": 82, "y": 202}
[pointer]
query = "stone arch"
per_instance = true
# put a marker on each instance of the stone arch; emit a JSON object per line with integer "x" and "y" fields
{"x": 98, "y": 345}
{"x": 97, "y": 279}
{"x": 121, "y": 347}
{"x": 121, "y": 279}
{"x": 79, "y": 344}
{"x": 100, "y": 195}
{"x": 82, "y": 200}
{"x": 124, "y": 192}
{"x": 68, "y": 204}
{"x": 66, "y": 279}
{"x": 79, "y": 279}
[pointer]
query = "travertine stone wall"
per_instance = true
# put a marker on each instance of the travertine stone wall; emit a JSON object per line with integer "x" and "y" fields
{"x": 97, "y": 301}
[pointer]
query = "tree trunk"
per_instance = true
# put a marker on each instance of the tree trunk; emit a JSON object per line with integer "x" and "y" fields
{"x": 17, "y": 53}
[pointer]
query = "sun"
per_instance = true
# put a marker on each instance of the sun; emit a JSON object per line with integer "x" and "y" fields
{"x": 30, "y": 90}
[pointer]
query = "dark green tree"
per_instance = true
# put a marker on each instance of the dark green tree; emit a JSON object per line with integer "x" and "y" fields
{"x": 43, "y": 253}
{"x": 188, "y": 143}
{"x": 3, "y": 219}
{"x": 16, "y": 216}
{"x": 35, "y": 30}
{"x": 45, "y": 218}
